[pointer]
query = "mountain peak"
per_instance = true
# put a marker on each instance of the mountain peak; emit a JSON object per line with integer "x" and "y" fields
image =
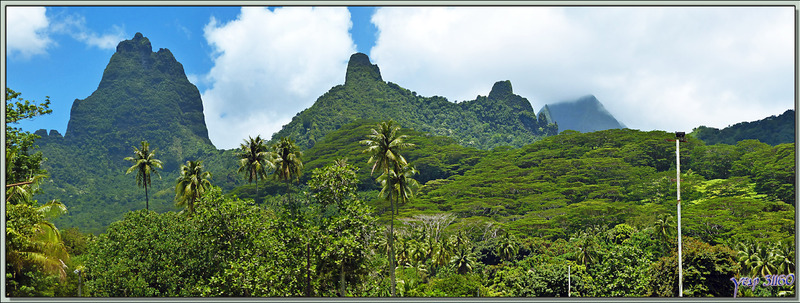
{"x": 143, "y": 95}
{"x": 501, "y": 90}
{"x": 585, "y": 114}
{"x": 139, "y": 44}
{"x": 360, "y": 69}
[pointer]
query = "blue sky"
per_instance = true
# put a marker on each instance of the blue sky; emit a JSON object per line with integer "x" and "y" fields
{"x": 667, "y": 68}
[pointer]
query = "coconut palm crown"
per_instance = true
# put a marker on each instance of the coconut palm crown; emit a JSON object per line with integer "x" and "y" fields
{"x": 191, "y": 184}
{"x": 144, "y": 163}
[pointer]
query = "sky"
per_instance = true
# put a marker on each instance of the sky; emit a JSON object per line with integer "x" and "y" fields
{"x": 669, "y": 68}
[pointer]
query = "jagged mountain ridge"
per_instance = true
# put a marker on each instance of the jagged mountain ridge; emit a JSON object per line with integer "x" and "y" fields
{"x": 585, "y": 114}
{"x": 501, "y": 118}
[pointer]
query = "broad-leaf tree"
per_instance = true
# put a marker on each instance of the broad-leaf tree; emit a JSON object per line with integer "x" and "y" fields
{"x": 144, "y": 162}
{"x": 34, "y": 249}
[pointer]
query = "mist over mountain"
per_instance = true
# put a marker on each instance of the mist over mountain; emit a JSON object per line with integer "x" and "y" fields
{"x": 585, "y": 114}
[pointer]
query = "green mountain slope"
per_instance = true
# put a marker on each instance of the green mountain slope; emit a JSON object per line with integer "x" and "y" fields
{"x": 567, "y": 183}
{"x": 570, "y": 182}
{"x": 771, "y": 130}
{"x": 143, "y": 95}
{"x": 536, "y": 188}
{"x": 501, "y": 118}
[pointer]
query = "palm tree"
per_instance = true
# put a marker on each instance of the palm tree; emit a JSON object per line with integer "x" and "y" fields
{"x": 20, "y": 192}
{"x": 384, "y": 144}
{"x": 288, "y": 167}
{"x": 764, "y": 263}
{"x": 23, "y": 192}
{"x": 746, "y": 255}
{"x": 254, "y": 159}
{"x": 464, "y": 260}
{"x": 191, "y": 184}
{"x": 31, "y": 240}
{"x": 287, "y": 162}
{"x": 397, "y": 187}
{"x": 587, "y": 249}
{"x": 784, "y": 256}
{"x": 144, "y": 162}
{"x": 507, "y": 248}
{"x": 443, "y": 254}
{"x": 665, "y": 226}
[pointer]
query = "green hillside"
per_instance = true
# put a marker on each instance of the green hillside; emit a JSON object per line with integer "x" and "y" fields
{"x": 504, "y": 222}
{"x": 772, "y": 130}
{"x": 569, "y": 182}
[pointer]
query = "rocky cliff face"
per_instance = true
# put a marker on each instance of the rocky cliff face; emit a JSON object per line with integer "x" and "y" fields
{"x": 361, "y": 72}
{"x": 143, "y": 95}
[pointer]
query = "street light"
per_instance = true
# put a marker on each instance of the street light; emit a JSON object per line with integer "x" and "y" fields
{"x": 679, "y": 137}
{"x": 78, "y": 272}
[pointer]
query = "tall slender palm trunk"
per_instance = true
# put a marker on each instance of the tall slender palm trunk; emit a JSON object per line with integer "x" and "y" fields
{"x": 391, "y": 249}
{"x": 146, "y": 198}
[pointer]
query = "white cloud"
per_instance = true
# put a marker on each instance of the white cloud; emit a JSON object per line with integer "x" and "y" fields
{"x": 270, "y": 65}
{"x": 26, "y": 31}
{"x": 75, "y": 27}
{"x": 668, "y": 68}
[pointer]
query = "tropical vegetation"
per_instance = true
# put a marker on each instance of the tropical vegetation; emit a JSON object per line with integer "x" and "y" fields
{"x": 475, "y": 198}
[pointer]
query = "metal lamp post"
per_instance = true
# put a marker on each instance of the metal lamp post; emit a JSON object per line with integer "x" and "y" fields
{"x": 679, "y": 137}
{"x": 80, "y": 281}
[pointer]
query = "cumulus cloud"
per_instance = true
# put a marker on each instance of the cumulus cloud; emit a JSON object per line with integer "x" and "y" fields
{"x": 31, "y": 32}
{"x": 668, "y": 68}
{"x": 75, "y": 27}
{"x": 26, "y": 31}
{"x": 269, "y": 65}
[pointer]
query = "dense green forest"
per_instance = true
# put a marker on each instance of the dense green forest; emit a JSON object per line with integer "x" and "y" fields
{"x": 772, "y": 130}
{"x": 500, "y": 222}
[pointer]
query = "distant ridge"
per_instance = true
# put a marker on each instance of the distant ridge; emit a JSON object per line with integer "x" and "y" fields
{"x": 772, "y": 130}
{"x": 586, "y": 114}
